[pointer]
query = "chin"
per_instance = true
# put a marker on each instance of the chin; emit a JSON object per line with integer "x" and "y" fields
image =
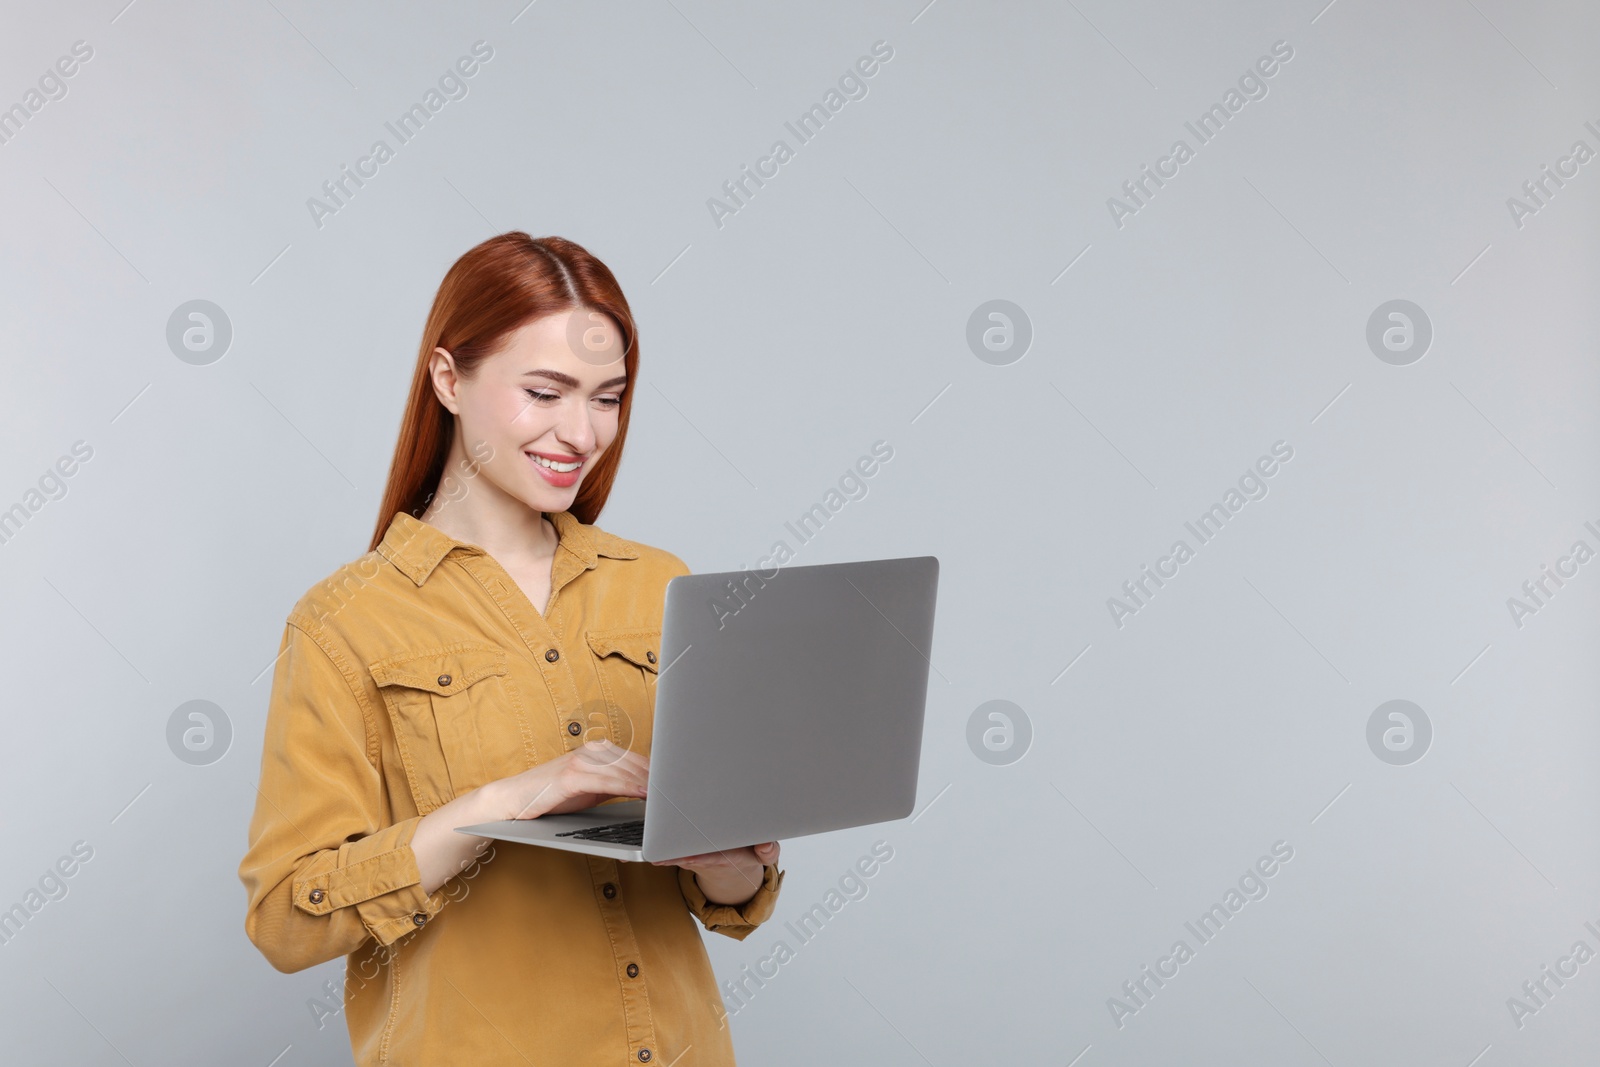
{"x": 550, "y": 498}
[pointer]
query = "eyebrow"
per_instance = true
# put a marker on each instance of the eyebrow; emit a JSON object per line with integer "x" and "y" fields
{"x": 569, "y": 381}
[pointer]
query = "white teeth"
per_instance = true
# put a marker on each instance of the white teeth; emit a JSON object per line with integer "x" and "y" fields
{"x": 553, "y": 465}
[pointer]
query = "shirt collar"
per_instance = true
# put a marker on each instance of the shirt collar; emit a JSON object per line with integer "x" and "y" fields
{"x": 416, "y": 547}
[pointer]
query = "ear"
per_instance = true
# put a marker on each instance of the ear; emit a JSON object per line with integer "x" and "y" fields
{"x": 442, "y": 372}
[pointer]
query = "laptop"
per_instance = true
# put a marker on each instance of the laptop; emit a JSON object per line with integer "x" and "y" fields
{"x": 785, "y": 706}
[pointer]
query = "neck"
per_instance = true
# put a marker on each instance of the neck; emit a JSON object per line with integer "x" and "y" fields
{"x": 487, "y": 516}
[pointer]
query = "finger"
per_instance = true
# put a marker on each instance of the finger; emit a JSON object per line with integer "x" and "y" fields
{"x": 619, "y": 776}
{"x": 698, "y": 857}
{"x": 604, "y": 750}
{"x": 603, "y": 754}
{"x": 622, "y": 786}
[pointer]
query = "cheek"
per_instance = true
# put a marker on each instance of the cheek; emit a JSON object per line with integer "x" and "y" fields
{"x": 485, "y": 415}
{"x": 511, "y": 467}
{"x": 515, "y": 409}
{"x": 605, "y": 427}
{"x": 518, "y": 420}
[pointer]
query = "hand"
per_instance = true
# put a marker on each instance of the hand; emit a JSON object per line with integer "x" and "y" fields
{"x": 595, "y": 771}
{"x": 731, "y": 876}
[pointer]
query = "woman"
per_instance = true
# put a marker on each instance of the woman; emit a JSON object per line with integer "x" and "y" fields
{"x": 493, "y": 656}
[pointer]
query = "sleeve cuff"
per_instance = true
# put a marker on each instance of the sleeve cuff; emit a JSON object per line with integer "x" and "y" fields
{"x": 378, "y": 876}
{"x": 733, "y": 920}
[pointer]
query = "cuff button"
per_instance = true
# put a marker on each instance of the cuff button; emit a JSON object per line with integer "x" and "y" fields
{"x": 419, "y": 918}
{"x": 317, "y": 896}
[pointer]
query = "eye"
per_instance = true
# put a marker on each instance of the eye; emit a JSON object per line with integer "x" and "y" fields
{"x": 610, "y": 402}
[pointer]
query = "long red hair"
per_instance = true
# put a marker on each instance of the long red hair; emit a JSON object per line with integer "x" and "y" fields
{"x": 491, "y": 291}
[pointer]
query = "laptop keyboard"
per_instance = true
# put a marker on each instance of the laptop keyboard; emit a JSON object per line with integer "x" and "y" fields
{"x": 620, "y": 833}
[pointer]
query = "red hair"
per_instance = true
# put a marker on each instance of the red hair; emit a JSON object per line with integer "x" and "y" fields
{"x": 491, "y": 291}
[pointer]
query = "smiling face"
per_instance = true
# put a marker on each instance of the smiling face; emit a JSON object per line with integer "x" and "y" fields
{"x": 545, "y": 405}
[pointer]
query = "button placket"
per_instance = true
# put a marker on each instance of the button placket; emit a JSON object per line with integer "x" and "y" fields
{"x": 625, "y": 950}
{"x": 563, "y": 689}
{"x": 540, "y": 636}
{"x": 557, "y": 671}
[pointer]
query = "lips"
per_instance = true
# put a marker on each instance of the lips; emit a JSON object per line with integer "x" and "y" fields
{"x": 561, "y": 479}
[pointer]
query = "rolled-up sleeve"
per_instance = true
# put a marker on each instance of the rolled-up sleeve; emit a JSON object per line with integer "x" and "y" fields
{"x": 733, "y": 920}
{"x": 324, "y": 870}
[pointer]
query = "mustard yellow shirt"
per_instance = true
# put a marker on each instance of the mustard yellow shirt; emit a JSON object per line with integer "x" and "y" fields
{"x": 410, "y": 676}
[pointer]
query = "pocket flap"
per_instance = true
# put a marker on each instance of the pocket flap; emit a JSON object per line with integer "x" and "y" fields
{"x": 642, "y": 648}
{"x": 445, "y": 670}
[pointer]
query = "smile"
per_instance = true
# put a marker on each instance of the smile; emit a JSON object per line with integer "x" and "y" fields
{"x": 560, "y": 473}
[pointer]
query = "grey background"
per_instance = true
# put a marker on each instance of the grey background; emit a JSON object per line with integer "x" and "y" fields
{"x": 831, "y": 312}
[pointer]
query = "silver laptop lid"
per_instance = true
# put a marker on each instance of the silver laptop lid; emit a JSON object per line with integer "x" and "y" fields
{"x": 788, "y": 703}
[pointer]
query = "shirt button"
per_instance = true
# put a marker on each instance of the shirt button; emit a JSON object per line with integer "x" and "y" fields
{"x": 317, "y": 896}
{"x": 609, "y": 890}
{"x": 633, "y": 970}
{"x": 444, "y": 680}
{"x": 551, "y": 655}
{"x": 419, "y": 918}
{"x": 644, "y": 1055}
{"x": 574, "y": 728}
{"x": 651, "y": 656}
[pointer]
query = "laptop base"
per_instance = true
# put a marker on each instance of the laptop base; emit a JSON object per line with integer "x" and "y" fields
{"x": 547, "y": 830}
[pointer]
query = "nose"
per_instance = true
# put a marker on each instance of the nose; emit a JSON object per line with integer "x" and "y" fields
{"x": 574, "y": 429}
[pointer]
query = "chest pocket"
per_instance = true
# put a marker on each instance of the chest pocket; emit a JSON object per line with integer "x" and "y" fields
{"x": 627, "y": 661}
{"x": 456, "y": 719}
